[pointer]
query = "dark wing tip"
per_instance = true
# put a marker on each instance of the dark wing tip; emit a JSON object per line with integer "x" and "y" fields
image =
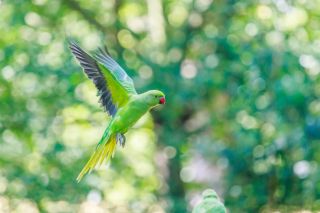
{"x": 71, "y": 42}
{"x": 93, "y": 72}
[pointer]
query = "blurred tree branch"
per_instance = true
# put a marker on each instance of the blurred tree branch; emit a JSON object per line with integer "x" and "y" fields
{"x": 86, "y": 14}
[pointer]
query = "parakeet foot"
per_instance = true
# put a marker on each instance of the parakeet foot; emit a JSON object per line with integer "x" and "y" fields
{"x": 121, "y": 139}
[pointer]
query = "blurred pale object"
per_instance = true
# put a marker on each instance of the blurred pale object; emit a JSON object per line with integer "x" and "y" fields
{"x": 203, "y": 5}
{"x": 156, "y": 21}
{"x": 39, "y": 2}
{"x": 188, "y": 69}
{"x": 210, "y": 203}
{"x": 126, "y": 39}
{"x": 33, "y": 19}
{"x": 195, "y": 19}
{"x": 293, "y": 19}
{"x": 26, "y": 206}
{"x": 177, "y": 15}
{"x": 251, "y": 29}
{"x": 145, "y": 72}
{"x": 310, "y": 63}
{"x": 247, "y": 121}
{"x": 91, "y": 207}
{"x": 275, "y": 39}
{"x": 87, "y": 92}
{"x": 302, "y": 169}
{"x": 264, "y": 12}
{"x": 8, "y": 72}
{"x": 57, "y": 206}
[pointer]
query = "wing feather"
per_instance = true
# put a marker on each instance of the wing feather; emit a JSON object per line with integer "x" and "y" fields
{"x": 114, "y": 85}
{"x": 116, "y": 70}
{"x": 94, "y": 73}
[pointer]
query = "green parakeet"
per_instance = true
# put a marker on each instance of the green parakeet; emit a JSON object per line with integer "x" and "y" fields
{"x": 118, "y": 97}
{"x": 210, "y": 203}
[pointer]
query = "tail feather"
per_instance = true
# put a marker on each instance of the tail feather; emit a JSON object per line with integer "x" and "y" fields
{"x": 105, "y": 150}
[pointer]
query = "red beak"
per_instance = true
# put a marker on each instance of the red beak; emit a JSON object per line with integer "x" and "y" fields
{"x": 162, "y": 100}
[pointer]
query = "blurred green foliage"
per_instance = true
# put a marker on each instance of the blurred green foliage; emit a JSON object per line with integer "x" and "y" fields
{"x": 242, "y": 113}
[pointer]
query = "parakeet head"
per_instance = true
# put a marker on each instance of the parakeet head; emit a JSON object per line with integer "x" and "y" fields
{"x": 155, "y": 97}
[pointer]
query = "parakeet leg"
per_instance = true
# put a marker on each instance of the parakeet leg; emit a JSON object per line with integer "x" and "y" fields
{"x": 121, "y": 139}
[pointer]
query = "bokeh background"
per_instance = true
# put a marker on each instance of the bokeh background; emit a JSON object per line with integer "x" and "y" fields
{"x": 242, "y": 116}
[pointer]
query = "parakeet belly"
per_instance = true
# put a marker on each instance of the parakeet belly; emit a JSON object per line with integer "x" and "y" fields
{"x": 127, "y": 117}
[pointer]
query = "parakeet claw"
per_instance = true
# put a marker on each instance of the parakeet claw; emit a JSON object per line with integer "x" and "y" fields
{"x": 121, "y": 139}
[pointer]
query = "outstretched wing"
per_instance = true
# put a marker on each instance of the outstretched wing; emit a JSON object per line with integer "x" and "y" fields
{"x": 112, "y": 94}
{"x": 114, "y": 73}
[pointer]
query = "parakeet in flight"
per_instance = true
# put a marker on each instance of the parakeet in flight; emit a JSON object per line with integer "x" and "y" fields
{"x": 119, "y": 99}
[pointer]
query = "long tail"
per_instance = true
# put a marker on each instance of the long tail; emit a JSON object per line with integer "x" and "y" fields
{"x": 104, "y": 150}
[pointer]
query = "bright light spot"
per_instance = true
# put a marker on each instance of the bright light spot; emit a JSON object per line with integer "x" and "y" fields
{"x": 120, "y": 193}
{"x": 22, "y": 59}
{"x": 145, "y": 72}
{"x": 293, "y": 19}
{"x": 4, "y": 204}
{"x": 39, "y": 2}
{"x": 203, "y": 5}
{"x": 3, "y": 185}
{"x": 235, "y": 191}
{"x": 27, "y": 206}
{"x": 175, "y": 54}
{"x": 130, "y": 10}
{"x": 261, "y": 167}
{"x": 156, "y": 21}
{"x": 28, "y": 84}
{"x": 58, "y": 206}
{"x": 310, "y": 63}
{"x": 274, "y": 38}
{"x": 143, "y": 169}
{"x": 188, "y": 69}
{"x": 33, "y": 19}
{"x": 211, "y": 61}
{"x": 247, "y": 121}
{"x": 170, "y": 152}
{"x": 195, "y": 19}
{"x": 8, "y": 72}
{"x": 264, "y": 12}
{"x": 52, "y": 55}
{"x": 86, "y": 91}
{"x": 27, "y": 33}
{"x": 126, "y": 39}
{"x": 44, "y": 38}
{"x": 32, "y": 163}
{"x": 89, "y": 207}
{"x": 158, "y": 57}
{"x": 187, "y": 174}
{"x": 9, "y": 137}
{"x": 282, "y": 5}
{"x": 268, "y": 129}
{"x": 137, "y": 24}
{"x": 314, "y": 107}
{"x": 251, "y": 29}
{"x": 177, "y": 16}
{"x": 258, "y": 151}
{"x": 302, "y": 169}
{"x": 94, "y": 196}
{"x": 263, "y": 101}
{"x": 91, "y": 41}
{"x": 198, "y": 120}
